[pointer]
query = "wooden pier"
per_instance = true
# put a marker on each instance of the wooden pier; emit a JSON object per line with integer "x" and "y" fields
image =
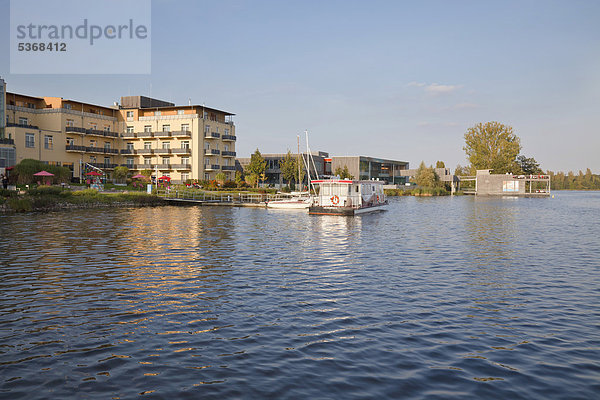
{"x": 216, "y": 199}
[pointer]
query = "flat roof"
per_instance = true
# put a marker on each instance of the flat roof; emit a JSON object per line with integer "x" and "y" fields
{"x": 177, "y": 107}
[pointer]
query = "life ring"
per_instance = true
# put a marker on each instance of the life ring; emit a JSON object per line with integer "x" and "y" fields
{"x": 335, "y": 200}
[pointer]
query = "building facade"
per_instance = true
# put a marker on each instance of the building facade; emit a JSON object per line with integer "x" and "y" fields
{"x": 182, "y": 142}
{"x": 7, "y": 144}
{"x": 367, "y": 168}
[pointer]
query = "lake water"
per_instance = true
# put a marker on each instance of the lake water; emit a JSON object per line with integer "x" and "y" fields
{"x": 453, "y": 297}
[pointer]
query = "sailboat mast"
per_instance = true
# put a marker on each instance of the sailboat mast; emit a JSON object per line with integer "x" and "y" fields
{"x": 298, "y": 162}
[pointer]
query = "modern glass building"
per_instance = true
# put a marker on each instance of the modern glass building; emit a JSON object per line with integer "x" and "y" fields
{"x": 367, "y": 168}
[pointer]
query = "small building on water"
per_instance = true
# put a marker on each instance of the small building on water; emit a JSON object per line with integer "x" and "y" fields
{"x": 487, "y": 183}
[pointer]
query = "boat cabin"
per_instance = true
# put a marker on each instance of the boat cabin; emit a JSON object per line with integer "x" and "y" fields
{"x": 348, "y": 193}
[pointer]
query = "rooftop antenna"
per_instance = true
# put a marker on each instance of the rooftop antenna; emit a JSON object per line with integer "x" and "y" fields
{"x": 189, "y": 101}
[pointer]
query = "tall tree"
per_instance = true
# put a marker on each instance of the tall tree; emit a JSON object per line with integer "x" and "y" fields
{"x": 343, "y": 173}
{"x": 492, "y": 146}
{"x": 257, "y": 166}
{"x": 440, "y": 164}
{"x": 288, "y": 167}
{"x": 426, "y": 176}
{"x": 528, "y": 165}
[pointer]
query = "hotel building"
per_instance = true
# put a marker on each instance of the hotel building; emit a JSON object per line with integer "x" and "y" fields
{"x": 182, "y": 142}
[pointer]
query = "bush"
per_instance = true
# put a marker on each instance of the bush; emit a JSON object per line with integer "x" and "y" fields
{"x": 8, "y": 193}
{"x": 45, "y": 191}
{"x": 20, "y": 204}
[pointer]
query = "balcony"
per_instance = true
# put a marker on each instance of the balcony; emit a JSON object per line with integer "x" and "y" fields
{"x": 104, "y": 165}
{"x": 162, "y": 151}
{"x": 144, "y": 151}
{"x": 229, "y": 138}
{"x": 75, "y": 148}
{"x": 127, "y": 151}
{"x": 129, "y": 135}
{"x": 101, "y": 150}
{"x": 228, "y": 153}
{"x": 145, "y": 134}
{"x": 181, "y": 133}
{"x": 181, "y": 151}
{"x": 182, "y": 166}
{"x": 211, "y": 135}
{"x": 162, "y": 134}
{"x": 92, "y": 132}
{"x": 228, "y": 167}
{"x": 27, "y": 126}
{"x": 163, "y": 167}
{"x": 7, "y": 141}
{"x": 212, "y": 167}
{"x": 142, "y": 166}
{"x": 211, "y": 152}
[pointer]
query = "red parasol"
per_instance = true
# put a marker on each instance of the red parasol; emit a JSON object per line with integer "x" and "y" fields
{"x": 43, "y": 173}
{"x": 164, "y": 178}
{"x": 139, "y": 176}
{"x": 94, "y": 173}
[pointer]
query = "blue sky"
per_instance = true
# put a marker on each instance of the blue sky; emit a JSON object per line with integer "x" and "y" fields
{"x": 392, "y": 79}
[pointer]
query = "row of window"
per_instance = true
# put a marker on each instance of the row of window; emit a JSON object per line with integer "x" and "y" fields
{"x": 213, "y": 116}
{"x": 30, "y": 141}
{"x": 184, "y": 128}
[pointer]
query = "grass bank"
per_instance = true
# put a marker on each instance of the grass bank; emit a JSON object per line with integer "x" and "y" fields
{"x": 48, "y": 198}
{"x": 418, "y": 192}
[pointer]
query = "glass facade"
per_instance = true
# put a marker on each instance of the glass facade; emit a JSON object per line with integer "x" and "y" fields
{"x": 2, "y": 108}
{"x": 383, "y": 170}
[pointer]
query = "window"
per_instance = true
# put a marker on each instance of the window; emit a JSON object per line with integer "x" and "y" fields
{"x": 180, "y": 112}
{"x": 207, "y": 145}
{"x": 166, "y": 145}
{"x": 205, "y": 115}
{"x": 147, "y": 160}
{"x": 147, "y": 128}
{"x": 165, "y": 160}
{"x": 226, "y": 131}
{"x": 129, "y": 129}
{"x": 226, "y": 148}
{"x": 166, "y": 128}
{"x": 129, "y": 162}
{"x": 70, "y": 141}
{"x": 207, "y": 129}
{"x": 206, "y": 176}
{"x": 226, "y": 162}
{"x": 185, "y": 177}
{"x": 92, "y": 143}
{"x": 129, "y": 114}
{"x": 185, "y": 127}
{"x": 107, "y": 145}
{"x": 67, "y": 106}
{"x": 106, "y": 128}
{"x": 48, "y": 142}
{"x": 207, "y": 161}
{"x": 70, "y": 122}
{"x": 185, "y": 160}
{"x": 147, "y": 145}
{"x": 29, "y": 140}
{"x": 93, "y": 126}
{"x": 156, "y": 113}
{"x": 23, "y": 121}
{"x": 129, "y": 146}
{"x": 185, "y": 144}
{"x": 106, "y": 160}
{"x": 92, "y": 159}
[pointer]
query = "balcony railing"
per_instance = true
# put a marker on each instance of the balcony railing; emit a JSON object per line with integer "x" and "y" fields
{"x": 7, "y": 141}
{"x": 27, "y": 126}
{"x": 181, "y": 166}
{"x": 144, "y": 151}
{"x": 93, "y": 132}
{"x": 230, "y": 138}
{"x": 101, "y": 150}
{"x": 212, "y": 135}
{"x": 127, "y": 151}
{"x": 145, "y": 134}
{"x": 212, "y": 167}
{"x": 163, "y": 166}
{"x": 181, "y": 151}
{"x": 129, "y": 135}
{"x": 181, "y": 133}
{"x": 211, "y": 152}
{"x": 162, "y": 151}
{"x": 228, "y": 167}
{"x": 73, "y": 147}
{"x": 162, "y": 134}
{"x": 104, "y": 165}
{"x": 228, "y": 153}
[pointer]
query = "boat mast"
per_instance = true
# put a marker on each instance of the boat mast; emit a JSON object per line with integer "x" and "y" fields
{"x": 298, "y": 162}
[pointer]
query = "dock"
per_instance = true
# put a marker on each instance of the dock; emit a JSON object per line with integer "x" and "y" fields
{"x": 216, "y": 199}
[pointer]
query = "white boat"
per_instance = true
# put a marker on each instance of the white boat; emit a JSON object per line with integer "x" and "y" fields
{"x": 295, "y": 201}
{"x": 348, "y": 197}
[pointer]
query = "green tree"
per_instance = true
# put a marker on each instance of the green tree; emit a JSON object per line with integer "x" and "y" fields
{"x": 239, "y": 178}
{"x": 440, "y": 164}
{"x": 26, "y": 168}
{"x": 252, "y": 179}
{"x": 288, "y": 167}
{"x": 426, "y": 176}
{"x": 120, "y": 173}
{"x": 528, "y": 165}
{"x": 343, "y": 173}
{"x": 492, "y": 146}
{"x": 221, "y": 177}
{"x": 257, "y": 166}
{"x": 147, "y": 173}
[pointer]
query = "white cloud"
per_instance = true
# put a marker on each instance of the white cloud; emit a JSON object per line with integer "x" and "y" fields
{"x": 436, "y": 88}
